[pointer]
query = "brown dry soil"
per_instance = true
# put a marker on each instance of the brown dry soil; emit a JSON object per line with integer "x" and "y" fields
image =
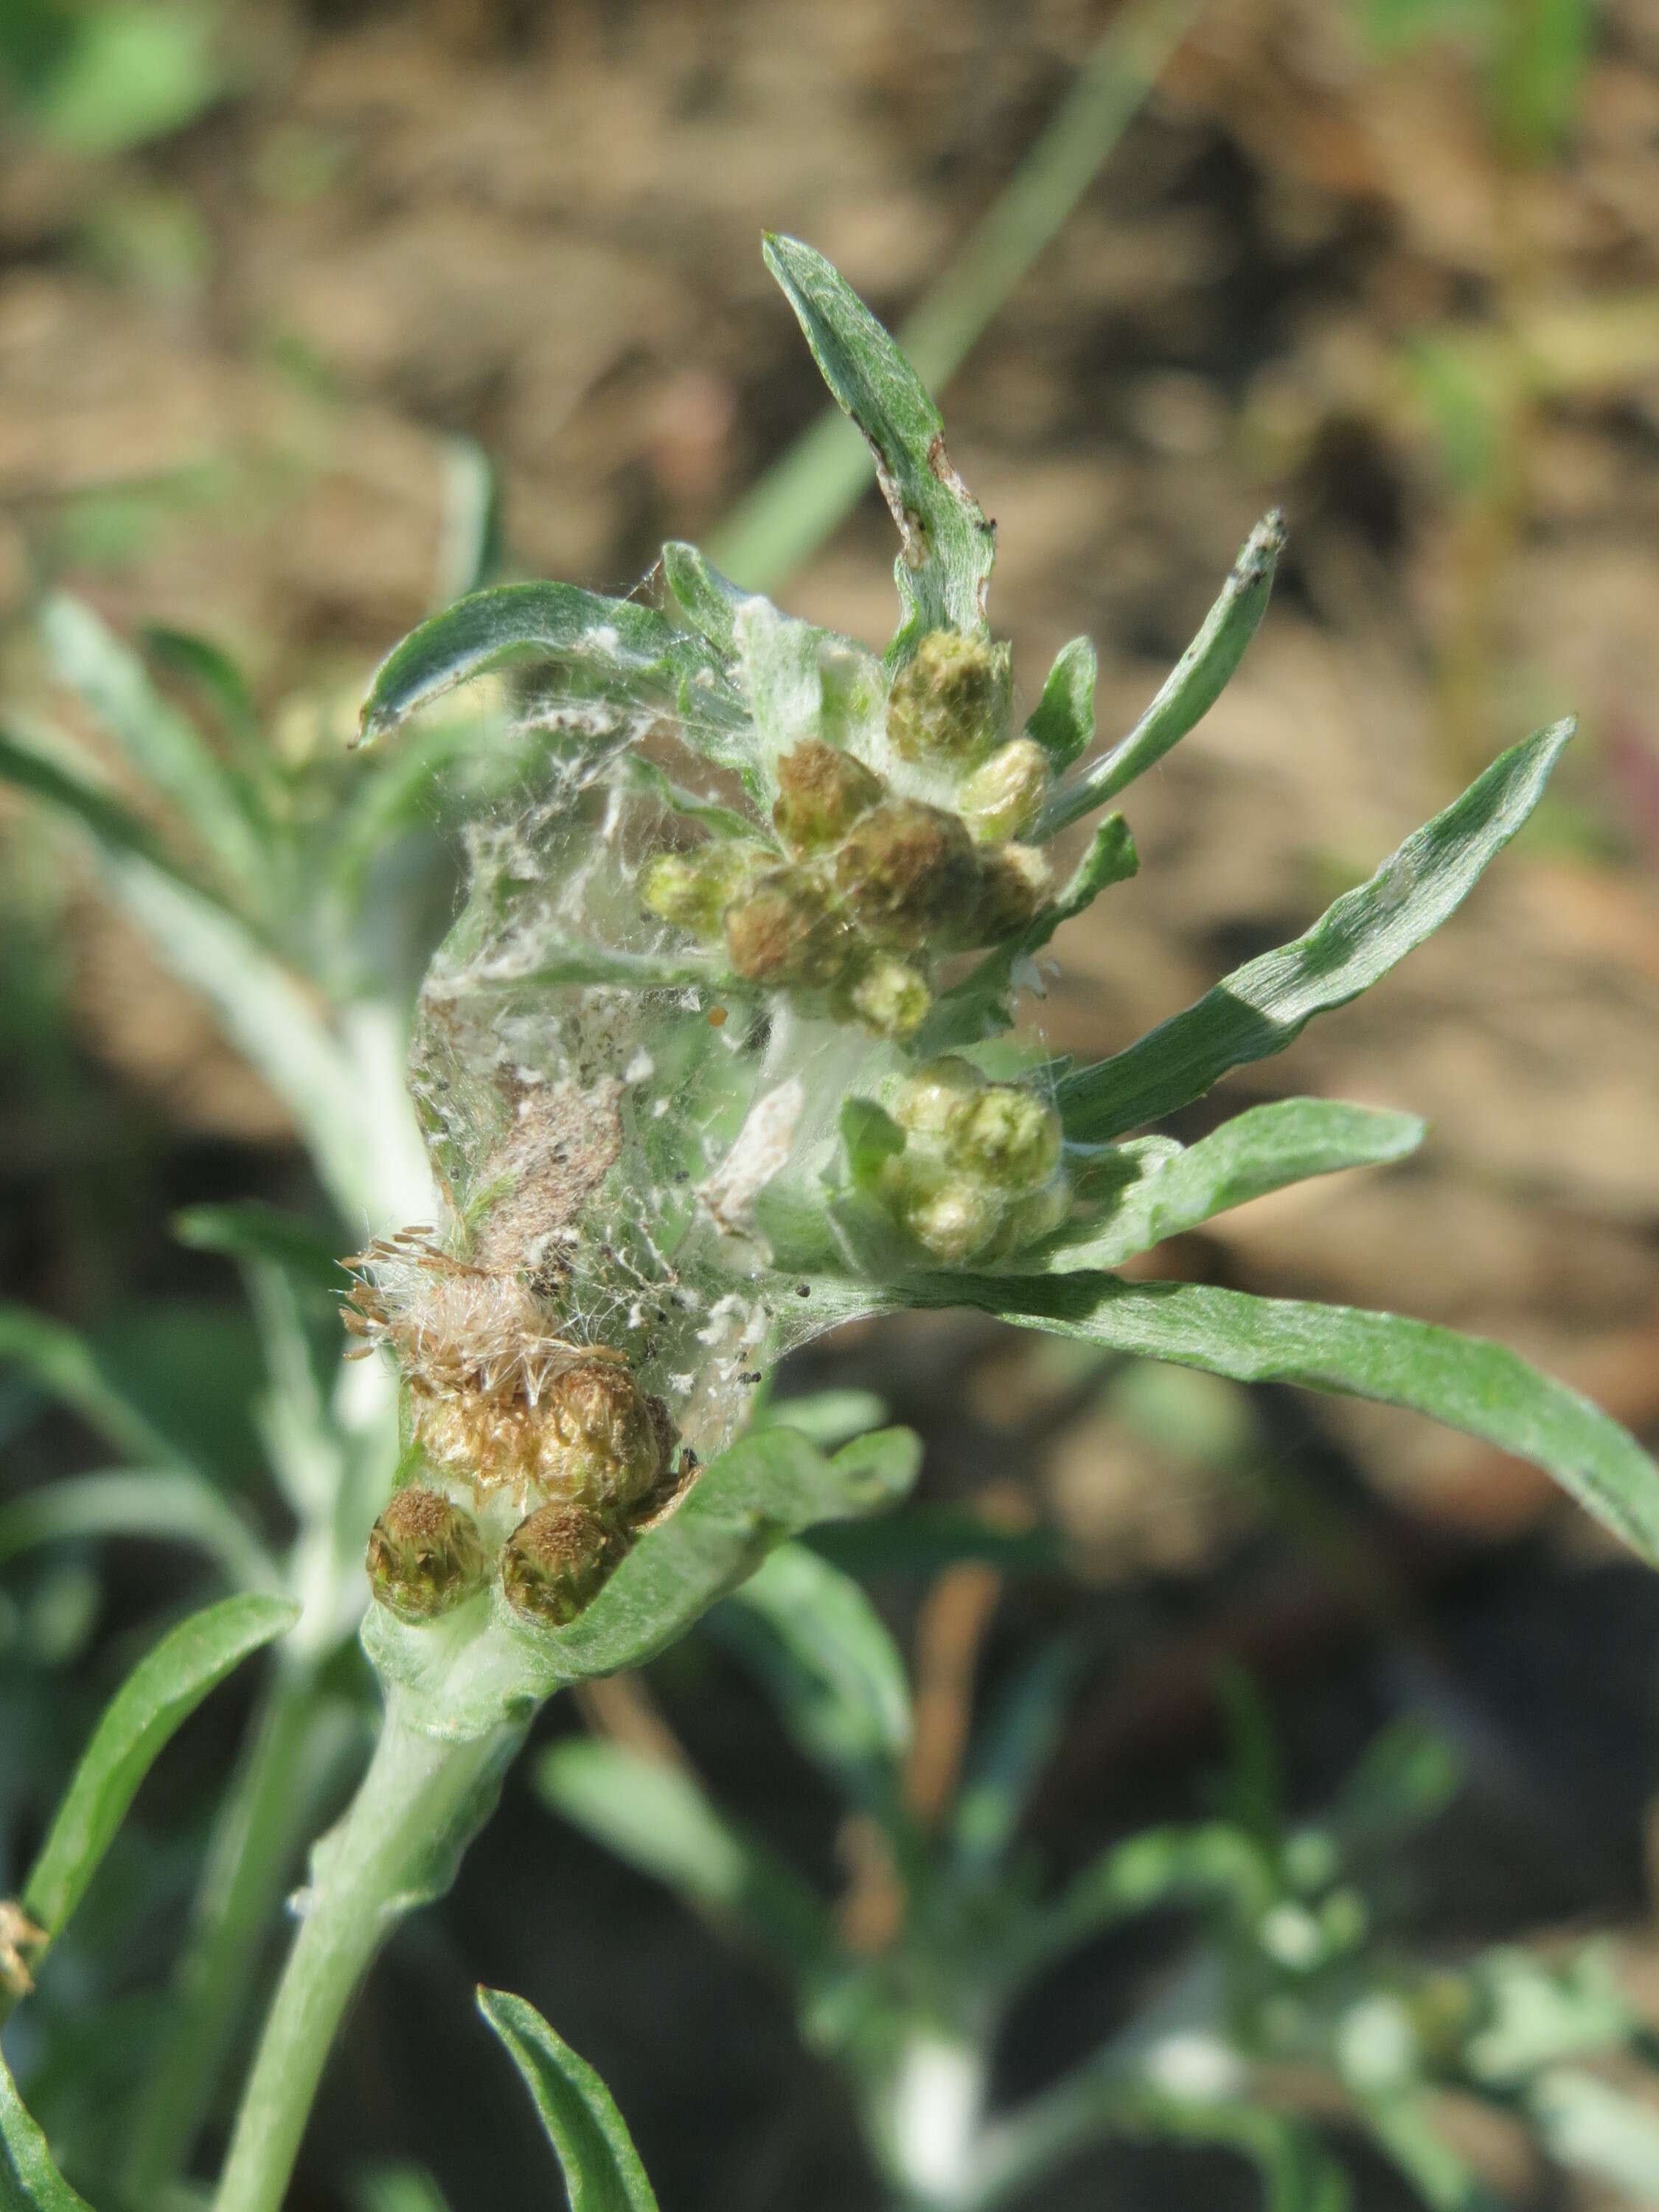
{"x": 230, "y": 369}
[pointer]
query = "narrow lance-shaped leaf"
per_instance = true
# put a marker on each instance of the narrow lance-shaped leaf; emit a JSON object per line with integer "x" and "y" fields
{"x": 661, "y": 1822}
{"x": 1193, "y": 687}
{"x": 153, "y": 1703}
{"x": 162, "y": 745}
{"x": 1264, "y": 1005}
{"x": 602, "y": 2169}
{"x": 824, "y": 1653}
{"x": 1021, "y": 1736}
{"x": 30, "y": 2182}
{"x": 70, "y": 785}
{"x": 162, "y": 1504}
{"x": 627, "y": 650}
{"x": 1263, "y": 1150}
{"x": 945, "y": 565}
{"x": 64, "y": 1365}
{"x": 708, "y": 600}
{"x": 1483, "y": 1389}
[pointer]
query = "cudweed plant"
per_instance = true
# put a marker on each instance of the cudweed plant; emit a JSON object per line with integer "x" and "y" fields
{"x": 722, "y": 1051}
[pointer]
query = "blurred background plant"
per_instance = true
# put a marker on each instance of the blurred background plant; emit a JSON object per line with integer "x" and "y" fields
{"x": 252, "y": 339}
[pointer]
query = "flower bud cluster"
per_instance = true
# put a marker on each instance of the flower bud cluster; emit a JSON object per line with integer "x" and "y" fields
{"x": 873, "y": 882}
{"x": 560, "y": 1454}
{"x": 980, "y": 1173}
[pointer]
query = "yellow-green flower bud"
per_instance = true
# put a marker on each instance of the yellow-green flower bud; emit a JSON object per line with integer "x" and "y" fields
{"x": 910, "y": 874}
{"x": 693, "y": 890}
{"x": 1003, "y": 797}
{"x": 1015, "y": 881}
{"x": 423, "y": 1555}
{"x": 821, "y": 793}
{"x": 601, "y": 1438}
{"x": 555, "y": 1564}
{"x": 889, "y": 997}
{"x": 952, "y": 702}
{"x": 787, "y": 930}
{"x": 935, "y": 1098}
{"x": 952, "y": 1217}
{"x": 1008, "y": 1135}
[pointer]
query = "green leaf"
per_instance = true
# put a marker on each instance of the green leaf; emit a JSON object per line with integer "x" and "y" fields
{"x": 1193, "y": 687}
{"x": 281, "y": 1029}
{"x": 982, "y": 1005}
{"x": 69, "y": 784}
{"x": 165, "y": 1506}
{"x": 1483, "y": 1389}
{"x": 1063, "y": 721}
{"x": 1023, "y": 1733}
{"x": 397, "y": 2189}
{"x": 1264, "y": 1005}
{"x": 1404, "y": 2125}
{"x": 213, "y": 673}
{"x": 1262, "y": 1150}
{"x": 869, "y": 1136}
{"x": 64, "y": 1365}
{"x": 163, "y": 746}
{"x": 659, "y": 1819}
{"x": 153, "y": 1703}
{"x": 623, "y": 648}
{"x": 1595, "y": 2127}
{"x": 250, "y": 1230}
{"x": 1214, "y": 1863}
{"x": 30, "y": 2182}
{"x": 824, "y": 1653}
{"x": 1407, "y": 1778}
{"x": 708, "y": 600}
{"x": 602, "y": 2169}
{"x": 948, "y": 545}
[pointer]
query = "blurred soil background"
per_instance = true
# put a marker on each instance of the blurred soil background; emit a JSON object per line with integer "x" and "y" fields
{"x": 242, "y": 367}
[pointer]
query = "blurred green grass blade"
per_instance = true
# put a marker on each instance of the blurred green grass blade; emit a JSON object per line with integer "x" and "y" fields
{"x": 1022, "y": 1735}
{"x": 1404, "y": 2126}
{"x": 661, "y": 1822}
{"x": 30, "y": 2182}
{"x": 825, "y": 1655}
{"x": 212, "y": 672}
{"x": 69, "y": 784}
{"x": 162, "y": 1505}
{"x": 1406, "y": 1777}
{"x": 63, "y": 1365}
{"x": 145, "y": 1713}
{"x": 470, "y": 540}
{"x": 250, "y": 1230}
{"x": 602, "y": 2169}
{"x": 945, "y": 568}
{"x": 1481, "y": 1388}
{"x": 1193, "y": 687}
{"x": 628, "y": 649}
{"x": 1265, "y": 1149}
{"x": 164, "y": 747}
{"x": 1264, "y": 1005}
{"x": 817, "y": 482}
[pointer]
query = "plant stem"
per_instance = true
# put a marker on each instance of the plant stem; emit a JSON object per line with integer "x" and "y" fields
{"x": 291, "y": 1769}
{"x": 818, "y": 481}
{"x": 419, "y": 1804}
